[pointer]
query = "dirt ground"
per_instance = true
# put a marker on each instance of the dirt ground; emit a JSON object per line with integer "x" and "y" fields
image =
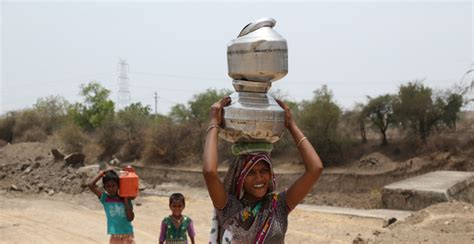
{"x": 64, "y": 218}
{"x": 42, "y": 200}
{"x": 80, "y": 219}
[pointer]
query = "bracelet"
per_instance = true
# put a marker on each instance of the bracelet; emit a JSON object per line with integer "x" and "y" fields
{"x": 211, "y": 126}
{"x": 301, "y": 141}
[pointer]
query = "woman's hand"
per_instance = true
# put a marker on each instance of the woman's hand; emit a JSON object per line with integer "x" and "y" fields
{"x": 288, "y": 118}
{"x": 216, "y": 112}
{"x": 313, "y": 165}
{"x": 215, "y": 186}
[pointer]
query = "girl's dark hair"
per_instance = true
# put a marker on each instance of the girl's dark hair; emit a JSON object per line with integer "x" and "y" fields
{"x": 110, "y": 175}
{"x": 177, "y": 197}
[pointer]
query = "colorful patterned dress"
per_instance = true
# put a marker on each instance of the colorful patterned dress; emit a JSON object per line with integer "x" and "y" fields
{"x": 172, "y": 235}
{"x": 239, "y": 222}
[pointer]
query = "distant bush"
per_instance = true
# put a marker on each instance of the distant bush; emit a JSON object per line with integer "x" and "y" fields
{"x": 169, "y": 144}
{"x": 442, "y": 142}
{"x": 107, "y": 136}
{"x": 3, "y": 143}
{"x": 319, "y": 119}
{"x": 93, "y": 152}
{"x": 132, "y": 123}
{"x": 24, "y": 121}
{"x": 7, "y": 122}
{"x": 72, "y": 138}
{"x": 52, "y": 112}
{"x": 32, "y": 134}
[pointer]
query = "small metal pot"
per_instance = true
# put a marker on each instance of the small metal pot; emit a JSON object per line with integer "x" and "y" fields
{"x": 258, "y": 54}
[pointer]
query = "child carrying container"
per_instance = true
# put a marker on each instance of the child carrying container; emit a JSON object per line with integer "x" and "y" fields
{"x": 119, "y": 210}
{"x": 174, "y": 227}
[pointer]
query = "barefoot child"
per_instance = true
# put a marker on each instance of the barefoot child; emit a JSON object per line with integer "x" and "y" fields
{"x": 119, "y": 211}
{"x": 174, "y": 227}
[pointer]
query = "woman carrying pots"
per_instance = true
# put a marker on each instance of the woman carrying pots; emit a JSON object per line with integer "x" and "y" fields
{"x": 247, "y": 208}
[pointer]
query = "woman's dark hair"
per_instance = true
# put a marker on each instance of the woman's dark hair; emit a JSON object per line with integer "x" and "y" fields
{"x": 110, "y": 175}
{"x": 177, "y": 197}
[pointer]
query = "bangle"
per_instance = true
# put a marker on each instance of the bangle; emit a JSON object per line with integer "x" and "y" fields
{"x": 211, "y": 126}
{"x": 301, "y": 141}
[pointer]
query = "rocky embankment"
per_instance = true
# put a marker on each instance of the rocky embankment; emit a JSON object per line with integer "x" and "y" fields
{"x": 37, "y": 168}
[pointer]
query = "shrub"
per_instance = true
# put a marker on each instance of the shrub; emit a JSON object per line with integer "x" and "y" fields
{"x": 33, "y": 134}
{"x": 319, "y": 119}
{"x": 52, "y": 112}
{"x": 7, "y": 122}
{"x": 25, "y": 120}
{"x": 107, "y": 136}
{"x": 93, "y": 152}
{"x": 132, "y": 122}
{"x": 72, "y": 138}
{"x": 3, "y": 143}
{"x": 167, "y": 143}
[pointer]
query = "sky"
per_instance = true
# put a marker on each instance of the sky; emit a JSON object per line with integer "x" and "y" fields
{"x": 178, "y": 48}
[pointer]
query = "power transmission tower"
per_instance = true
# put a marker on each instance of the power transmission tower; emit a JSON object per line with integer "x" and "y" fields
{"x": 123, "y": 98}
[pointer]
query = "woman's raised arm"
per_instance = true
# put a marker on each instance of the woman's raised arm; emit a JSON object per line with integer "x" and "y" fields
{"x": 313, "y": 165}
{"x": 210, "y": 159}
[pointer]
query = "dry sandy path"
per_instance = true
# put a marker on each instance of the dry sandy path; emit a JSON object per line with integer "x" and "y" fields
{"x": 80, "y": 219}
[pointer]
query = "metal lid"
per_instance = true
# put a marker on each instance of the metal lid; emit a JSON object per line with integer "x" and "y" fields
{"x": 263, "y": 22}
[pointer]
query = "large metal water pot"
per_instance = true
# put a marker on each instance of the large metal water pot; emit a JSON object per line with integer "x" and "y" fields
{"x": 259, "y": 53}
{"x": 256, "y": 58}
{"x": 253, "y": 117}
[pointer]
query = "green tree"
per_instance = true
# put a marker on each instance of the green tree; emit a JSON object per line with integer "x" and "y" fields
{"x": 319, "y": 120}
{"x": 380, "y": 111}
{"x": 452, "y": 104}
{"x": 417, "y": 108}
{"x": 198, "y": 108}
{"x": 200, "y": 104}
{"x": 360, "y": 118}
{"x": 179, "y": 113}
{"x": 96, "y": 107}
{"x": 53, "y": 112}
{"x": 133, "y": 121}
{"x": 353, "y": 123}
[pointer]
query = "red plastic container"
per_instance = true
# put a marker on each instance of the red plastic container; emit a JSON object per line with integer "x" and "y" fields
{"x": 128, "y": 186}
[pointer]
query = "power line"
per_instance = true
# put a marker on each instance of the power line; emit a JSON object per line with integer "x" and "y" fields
{"x": 178, "y": 76}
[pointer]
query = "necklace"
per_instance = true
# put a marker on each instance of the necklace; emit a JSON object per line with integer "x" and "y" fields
{"x": 178, "y": 220}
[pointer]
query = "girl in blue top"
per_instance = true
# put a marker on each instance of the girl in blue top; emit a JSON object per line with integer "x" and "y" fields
{"x": 119, "y": 211}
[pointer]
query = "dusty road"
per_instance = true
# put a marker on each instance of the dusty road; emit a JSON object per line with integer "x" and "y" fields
{"x": 80, "y": 219}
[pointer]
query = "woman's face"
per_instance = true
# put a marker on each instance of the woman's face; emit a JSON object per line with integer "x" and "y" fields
{"x": 176, "y": 207}
{"x": 257, "y": 182}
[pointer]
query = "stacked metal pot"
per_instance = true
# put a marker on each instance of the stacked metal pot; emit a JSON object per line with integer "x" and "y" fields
{"x": 256, "y": 58}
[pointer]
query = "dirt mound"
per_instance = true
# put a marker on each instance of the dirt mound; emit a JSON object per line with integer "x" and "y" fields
{"x": 373, "y": 160}
{"x": 449, "y": 222}
{"x": 31, "y": 168}
{"x": 24, "y": 152}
